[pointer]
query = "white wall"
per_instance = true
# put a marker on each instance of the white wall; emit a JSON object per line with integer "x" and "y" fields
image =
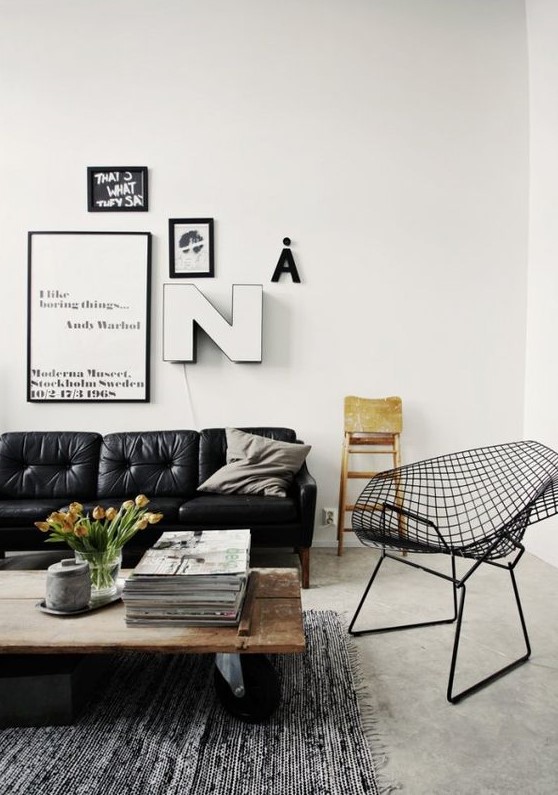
{"x": 541, "y": 415}
{"x": 387, "y": 138}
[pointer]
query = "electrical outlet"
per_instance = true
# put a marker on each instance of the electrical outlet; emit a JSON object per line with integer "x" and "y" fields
{"x": 329, "y": 516}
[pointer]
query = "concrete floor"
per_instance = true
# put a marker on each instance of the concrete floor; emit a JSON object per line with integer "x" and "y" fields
{"x": 502, "y": 739}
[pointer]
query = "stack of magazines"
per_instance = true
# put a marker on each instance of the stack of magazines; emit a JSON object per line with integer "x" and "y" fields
{"x": 190, "y": 578}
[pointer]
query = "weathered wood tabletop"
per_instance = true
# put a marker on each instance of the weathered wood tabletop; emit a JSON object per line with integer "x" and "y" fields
{"x": 271, "y": 622}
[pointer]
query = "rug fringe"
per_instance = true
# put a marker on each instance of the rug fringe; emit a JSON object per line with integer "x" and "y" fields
{"x": 369, "y": 712}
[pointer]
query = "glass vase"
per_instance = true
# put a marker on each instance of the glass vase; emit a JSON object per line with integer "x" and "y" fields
{"x": 104, "y": 569}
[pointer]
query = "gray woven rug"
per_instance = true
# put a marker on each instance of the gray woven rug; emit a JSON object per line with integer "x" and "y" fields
{"x": 158, "y": 729}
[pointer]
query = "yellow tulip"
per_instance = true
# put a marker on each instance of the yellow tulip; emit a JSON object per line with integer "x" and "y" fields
{"x": 68, "y": 523}
{"x": 73, "y": 522}
{"x": 56, "y": 518}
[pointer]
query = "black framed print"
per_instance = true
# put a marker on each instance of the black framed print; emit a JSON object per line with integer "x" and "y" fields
{"x": 117, "y": 189}
{"x": 191, "y": 248}
{"x": 88, "y": 318}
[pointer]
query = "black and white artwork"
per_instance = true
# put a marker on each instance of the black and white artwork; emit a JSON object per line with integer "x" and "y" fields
{"x": 88, "y": 316}
{"x": 191, "y": 248}
{"x": 117, "y": 189}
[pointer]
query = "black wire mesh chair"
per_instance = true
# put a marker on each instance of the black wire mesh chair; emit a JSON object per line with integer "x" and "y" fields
{"x": 474, "y": 505}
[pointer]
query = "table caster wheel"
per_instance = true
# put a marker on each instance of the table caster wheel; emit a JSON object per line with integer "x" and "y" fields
{"x": 262, "y": 692}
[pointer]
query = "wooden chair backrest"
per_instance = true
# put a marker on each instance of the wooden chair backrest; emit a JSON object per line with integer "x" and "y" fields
{"x": 373, "y": 415}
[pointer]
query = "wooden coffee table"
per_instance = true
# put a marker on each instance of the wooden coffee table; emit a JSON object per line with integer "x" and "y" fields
{"x": 44, "y": 657}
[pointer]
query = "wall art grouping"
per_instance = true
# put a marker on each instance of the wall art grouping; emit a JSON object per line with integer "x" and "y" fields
{"x": 88, "y": 316}
{"x": 89, "y": 298}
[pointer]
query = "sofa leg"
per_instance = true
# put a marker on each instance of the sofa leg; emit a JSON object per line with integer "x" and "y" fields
{"x": 304, "y": 555}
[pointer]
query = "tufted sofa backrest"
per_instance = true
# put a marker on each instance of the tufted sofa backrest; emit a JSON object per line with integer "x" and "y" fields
{"x": 38, "y": 464}
{"x": 164, "y": 463}
{"x": 84, "y": 466}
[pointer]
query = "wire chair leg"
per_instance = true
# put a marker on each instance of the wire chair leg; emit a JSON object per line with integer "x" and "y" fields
{"x": 452, "y": 697}
{"x": 407, "y": 562}
{"x": 366, "y": 590}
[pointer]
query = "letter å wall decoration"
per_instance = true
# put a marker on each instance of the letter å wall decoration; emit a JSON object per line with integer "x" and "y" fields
{"x": 286, "y": 264}
{"x": 88, "y": 316}
{"x": 185, "y": 308}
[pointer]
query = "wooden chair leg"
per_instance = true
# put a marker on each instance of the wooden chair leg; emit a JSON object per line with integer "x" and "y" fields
{"x": 304, "y": 556}
{"x": 342, "y": 499}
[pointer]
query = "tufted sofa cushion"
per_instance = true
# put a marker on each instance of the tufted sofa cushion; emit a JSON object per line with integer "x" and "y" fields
{"x": 238, "y": 510}
{"x": 161, "y": 463}
{"x": 48, "y": 465}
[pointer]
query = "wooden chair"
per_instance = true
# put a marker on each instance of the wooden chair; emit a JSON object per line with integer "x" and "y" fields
{"x": 372, "y": 427}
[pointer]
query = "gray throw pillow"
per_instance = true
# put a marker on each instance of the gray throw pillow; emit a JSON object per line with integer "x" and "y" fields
{"x": 256, "y": 465}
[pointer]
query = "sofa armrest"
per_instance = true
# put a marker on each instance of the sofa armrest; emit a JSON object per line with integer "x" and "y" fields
{"x": 304, "y": 491}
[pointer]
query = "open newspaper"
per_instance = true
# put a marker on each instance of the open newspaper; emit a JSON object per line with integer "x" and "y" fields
{"x": 190, "y": 578}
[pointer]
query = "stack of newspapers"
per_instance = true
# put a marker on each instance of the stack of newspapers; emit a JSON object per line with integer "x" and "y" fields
{"x": 190, "y": 578}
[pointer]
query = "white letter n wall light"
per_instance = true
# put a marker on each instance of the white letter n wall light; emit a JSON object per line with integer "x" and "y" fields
{"x": 185, "y": 308}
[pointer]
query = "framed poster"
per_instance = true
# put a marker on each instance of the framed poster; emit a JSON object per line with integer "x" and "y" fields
{"x": 88, "y": 321}
{"x": 117, "y": 189}
{"x": 191, "y": 247}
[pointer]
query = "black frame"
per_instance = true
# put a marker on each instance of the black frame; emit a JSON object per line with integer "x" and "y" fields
{"x": 95, "y": 193}
{"x": 194, "y": 225}
{"x": 61, "y": 385}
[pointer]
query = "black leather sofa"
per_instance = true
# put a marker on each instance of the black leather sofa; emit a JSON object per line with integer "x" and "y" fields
{"x": 41, "y": 472}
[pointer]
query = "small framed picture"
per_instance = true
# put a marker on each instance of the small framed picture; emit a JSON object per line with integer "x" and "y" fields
{"x": 117, "y": 189}
{"x": 190, "y": 247}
